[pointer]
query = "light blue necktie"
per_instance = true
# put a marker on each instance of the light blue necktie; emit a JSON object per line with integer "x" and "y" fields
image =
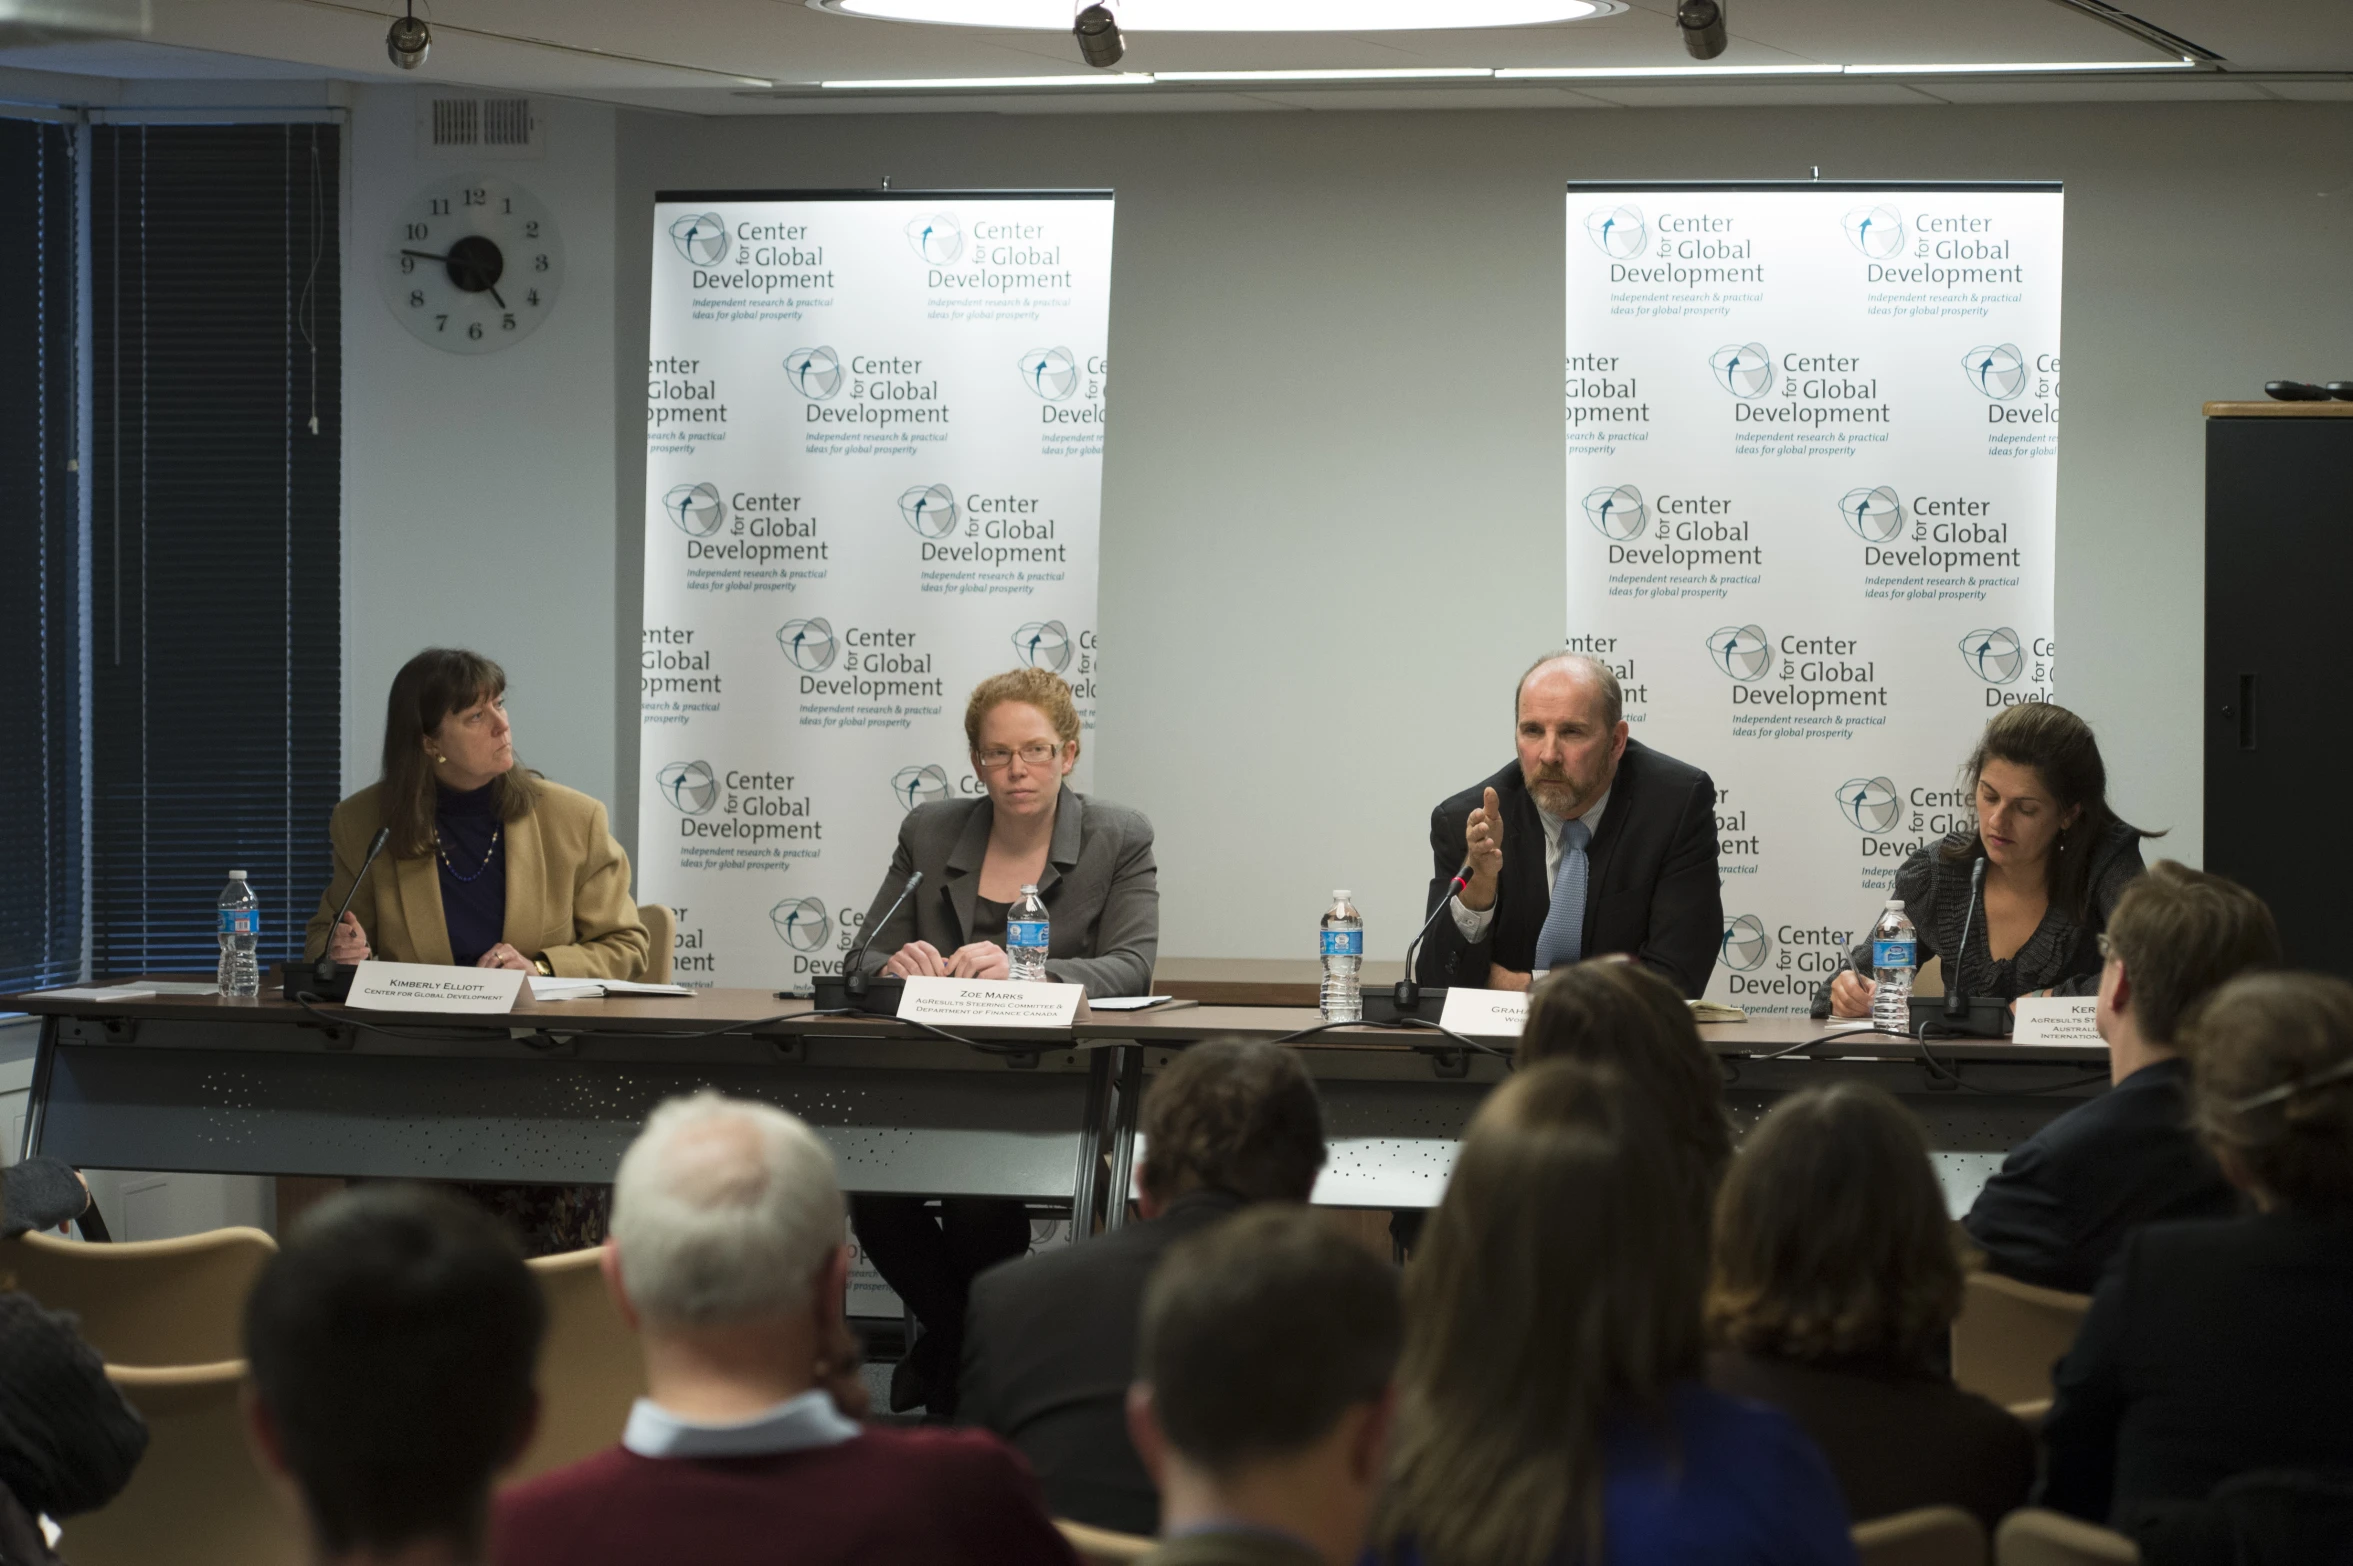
{"x": 1562, "y": 940}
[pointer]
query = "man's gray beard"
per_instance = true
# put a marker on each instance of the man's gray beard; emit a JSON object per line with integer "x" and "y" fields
{"x": 1556, "y": 796}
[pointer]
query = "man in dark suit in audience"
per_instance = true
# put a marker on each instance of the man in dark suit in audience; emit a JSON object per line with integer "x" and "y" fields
{"x": 2066, "y": 1197}
{"x": 1050, "y": 1343}
{"x": 1589, "y": 842}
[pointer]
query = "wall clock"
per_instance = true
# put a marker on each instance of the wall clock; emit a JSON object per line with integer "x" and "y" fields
{"x": 472, "y": 264}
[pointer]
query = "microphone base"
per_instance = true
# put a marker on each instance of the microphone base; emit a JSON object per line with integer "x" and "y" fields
{"x": 1380, "y": 1004}
{"x": 1987, "y": 1017}
{"x": 832, "y": 993}
{"x": 318, "y": 981}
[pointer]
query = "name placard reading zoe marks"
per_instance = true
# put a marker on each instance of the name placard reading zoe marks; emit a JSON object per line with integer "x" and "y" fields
{"x": 990, "y": 1003}
{"x": 421, "y": 986}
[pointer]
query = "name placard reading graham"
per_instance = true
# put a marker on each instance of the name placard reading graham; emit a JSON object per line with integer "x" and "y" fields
{"x": 990, "y": 1003}
{"x": 1485, "y": 1013}
{"x": 2057, "y": 1019}
{"x": 424, "y": 986}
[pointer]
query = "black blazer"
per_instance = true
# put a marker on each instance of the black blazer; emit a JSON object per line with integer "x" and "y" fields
{"x": 2066, "y": 1197}
{"x": 1653, "y": 891}
{"x": 1049, "y": 1350}
{"x": 2212, "y": 1348}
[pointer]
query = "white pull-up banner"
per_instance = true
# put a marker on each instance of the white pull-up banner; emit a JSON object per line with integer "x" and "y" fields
{"x": 874, "y": 450}
{"x": 1813, "y": 486}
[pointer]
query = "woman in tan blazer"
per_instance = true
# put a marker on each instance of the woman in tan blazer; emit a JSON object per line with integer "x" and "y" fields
{"x": 489, "y": 864}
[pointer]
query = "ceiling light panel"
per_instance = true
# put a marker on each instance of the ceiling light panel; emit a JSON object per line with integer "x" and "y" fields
{"x": 1234, "y": 16}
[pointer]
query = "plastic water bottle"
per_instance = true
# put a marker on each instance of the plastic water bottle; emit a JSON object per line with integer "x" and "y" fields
{"x": 1027, "y": 934}
{"x": 1343, "y": 951}
{"x": 240, "y": 939}
{"x": 1895, "y": 957}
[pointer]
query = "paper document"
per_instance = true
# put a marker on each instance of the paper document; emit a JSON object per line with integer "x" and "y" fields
{"x": 1129, "y": 1002}
{"x": 544, "y": 988}
{"x": 111, "y": 992}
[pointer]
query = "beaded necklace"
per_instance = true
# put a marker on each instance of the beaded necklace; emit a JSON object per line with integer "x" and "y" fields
{"x": 480, "y": 870}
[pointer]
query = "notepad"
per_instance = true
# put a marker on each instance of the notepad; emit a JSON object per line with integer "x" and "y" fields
{"x": 544, "y": 988}
{"x": 1129, "y": 1002}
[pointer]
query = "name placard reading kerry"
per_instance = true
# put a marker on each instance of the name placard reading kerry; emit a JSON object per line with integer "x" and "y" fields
{"x": 990, "y": 1003}
{"x": 1497, "y": 1014}
{"x": 2057, "y": 1019}
{"x": 424, "y": 986}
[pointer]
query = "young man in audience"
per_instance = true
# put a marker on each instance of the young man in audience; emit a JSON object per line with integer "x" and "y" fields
{"x": 392, "y": 1344}
{"x": 1050, "y": 1343}
{"x": 2066, "y": 1197}
{"x": 729, "y": 1258}
{"x": 1262, "y": 1395}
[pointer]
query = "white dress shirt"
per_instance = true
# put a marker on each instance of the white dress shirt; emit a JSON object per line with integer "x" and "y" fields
{"x": 1474, "y": 923}
{"x": 793, "y": 1425}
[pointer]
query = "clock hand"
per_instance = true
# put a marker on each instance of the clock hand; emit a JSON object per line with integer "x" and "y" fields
{"x": 502, "y": 304}
{"x": 423, "y": 256}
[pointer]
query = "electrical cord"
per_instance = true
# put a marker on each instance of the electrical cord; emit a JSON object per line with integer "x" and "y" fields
{"x": 1401, "y": 1024}
{"x": 1937, "y": 1068}
{"x": 1820, "y": 1038}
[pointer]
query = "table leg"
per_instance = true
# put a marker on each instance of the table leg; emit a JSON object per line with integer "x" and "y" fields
{"x": 1123, "y": 1134}
{"x": 37, "y": 1100}
{"x": 1088, "y": 1177}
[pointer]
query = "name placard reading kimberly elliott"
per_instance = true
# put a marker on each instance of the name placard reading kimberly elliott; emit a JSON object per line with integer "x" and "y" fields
{"x": 422, "y": 986}
{"x": 990, "y": 1003}
{"x": 1485, "y": 1013}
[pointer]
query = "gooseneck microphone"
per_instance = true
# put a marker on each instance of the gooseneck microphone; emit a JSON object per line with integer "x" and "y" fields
{"x": 1406, "y": 993}
{"x": 1956, "y": 993}
{"x": 853, "y": 971}
{"x": 327, "y": 976}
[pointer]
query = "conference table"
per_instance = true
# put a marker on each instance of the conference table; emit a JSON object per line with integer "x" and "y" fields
{"x": 553, "y": 1092}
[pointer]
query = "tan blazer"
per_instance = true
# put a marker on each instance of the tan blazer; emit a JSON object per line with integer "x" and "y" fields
{"x": 567, "y": 890}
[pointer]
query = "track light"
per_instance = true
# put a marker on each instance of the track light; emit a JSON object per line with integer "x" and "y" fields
{"x": 1702, "y": 25}
{"x": 1097, "y": 32}
{"x": 409, "y": 41}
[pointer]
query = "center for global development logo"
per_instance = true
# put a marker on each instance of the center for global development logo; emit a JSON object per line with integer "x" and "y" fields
{"x": 1619, "y": 232}
{"x": 810, "y": 644}
{"x": 1050, "y": 372}
{"x": 1044, "y": 644}
{"x": 937, "y": 237}
{"x": 1998, "y": 370}
{"x": 1617, "y": 512}
{"x": 696, "y": 508}
{"x": 1745, "y": 945}
{"x": 1744, "y": 652}
{"x": 1878, "y": 232}
{"x": 930, "y": 509}
{"x": 1993, "y": 655}
{"x": 914, "y": 786}
{"x": 689, "y": 785}
{"x": 701, "y": 237}
{"x": 1743, "y": 369}
{"x": 1870, "y": 803}
{"x": 816, "y": 373}
{"x": 1875, "y": 514}
{"x": 801, "y": 923}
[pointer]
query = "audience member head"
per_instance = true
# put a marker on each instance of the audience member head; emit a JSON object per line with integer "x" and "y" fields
{"x": 1262, "y": 1391}
{"x": 1568, "y": 721}
{"x": 2271, "y": 1055}
{"x": 392, "y": 1345}
{"x": 2041, "y": 796}
{"x": 1832, "y": 1240}
{"x": 1232, "y": 1115}
{"x": 1557, "y": 1288}
{"x": 1609, "y": 1011}
{"x": 2176, "y": 935}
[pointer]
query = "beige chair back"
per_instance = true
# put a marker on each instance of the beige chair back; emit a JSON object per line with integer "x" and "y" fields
{"x": 589, "y": 1372}
{"x": 147, "y": 1302}
{"x": 1102, "y": 1547}
{"x": 198, "y": 1498}
{"x": 2009, "y": 1335}
{"x": 2034, "y": 1537}
{"x": 661, "y": 940}
{"x": 1929, "y": 1536}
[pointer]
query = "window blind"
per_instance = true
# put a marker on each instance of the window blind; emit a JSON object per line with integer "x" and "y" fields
{"x": 215, "y": 533}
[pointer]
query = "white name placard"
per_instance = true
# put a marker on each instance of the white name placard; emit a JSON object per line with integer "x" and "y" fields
{"x": 1497, "y": 1014}
{"x": 424, "y": 986}
{"x": 2056, "y": 1019}
{"x": 990, "y": 1003}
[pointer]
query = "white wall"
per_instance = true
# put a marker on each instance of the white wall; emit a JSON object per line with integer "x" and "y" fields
{"x": 1336, "y": 437}
{"x": 478, "y": 492}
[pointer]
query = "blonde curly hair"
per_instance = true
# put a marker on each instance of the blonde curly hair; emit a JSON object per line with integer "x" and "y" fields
{"x": 1041, "y": 688}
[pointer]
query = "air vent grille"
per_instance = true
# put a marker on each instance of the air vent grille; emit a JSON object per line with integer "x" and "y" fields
{"x": 478, "y": 128}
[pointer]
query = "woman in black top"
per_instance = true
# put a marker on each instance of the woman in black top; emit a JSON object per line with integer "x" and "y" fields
{"x": 2057, "y": 858}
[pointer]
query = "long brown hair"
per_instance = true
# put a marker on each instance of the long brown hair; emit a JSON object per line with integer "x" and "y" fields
{"x": 1557, "y": 1291}
{"x": 2058, "y": 748}
{"x": 428, "y": 688}
{"x": 1832, "y": 1239}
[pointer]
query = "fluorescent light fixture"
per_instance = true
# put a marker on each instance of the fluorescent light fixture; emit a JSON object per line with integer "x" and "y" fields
{"x": 1401, "y": 73}
{"x": 1636, "y": 72}
{"x": 1235, "y": 16}
{"x": 2021, "y": 68}
{"x": 974, "y": 83}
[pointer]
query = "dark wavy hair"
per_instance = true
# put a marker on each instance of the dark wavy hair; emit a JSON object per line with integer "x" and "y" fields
{"x": 2058, "y": 748}
{"x": 428, "y": 688}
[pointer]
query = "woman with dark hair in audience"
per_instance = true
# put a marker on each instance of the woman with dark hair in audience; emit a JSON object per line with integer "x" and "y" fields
{"x": 1550, "y": 1405}
{"x": 2056, "y": 859}
{"x": 2217, "y": 1349}
{"x": 1837, "y": 1278}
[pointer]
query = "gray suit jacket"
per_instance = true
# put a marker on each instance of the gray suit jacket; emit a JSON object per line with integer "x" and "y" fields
{"x": 1100, "y": 887}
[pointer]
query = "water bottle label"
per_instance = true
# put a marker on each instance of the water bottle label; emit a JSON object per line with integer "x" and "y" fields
{"x": 1025, "y": 932}
{"x": 1343, "y": 943}
{"x": 240, "y": 921}
{"x": 1894, "y": 954}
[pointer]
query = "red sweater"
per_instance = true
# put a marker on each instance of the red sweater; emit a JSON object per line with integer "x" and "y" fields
{"x": 927, "y": 1495}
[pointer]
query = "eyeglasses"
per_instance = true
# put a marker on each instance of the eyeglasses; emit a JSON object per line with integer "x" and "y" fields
{"x": 1035, "y": 754}
{"x": 2108, "y": 951}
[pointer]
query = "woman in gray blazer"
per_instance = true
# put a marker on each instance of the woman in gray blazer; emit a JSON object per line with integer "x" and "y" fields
{"x": 1092, "y": 865}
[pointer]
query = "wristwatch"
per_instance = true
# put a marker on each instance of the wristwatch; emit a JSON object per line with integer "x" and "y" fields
{"x": 546, "y": 968}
